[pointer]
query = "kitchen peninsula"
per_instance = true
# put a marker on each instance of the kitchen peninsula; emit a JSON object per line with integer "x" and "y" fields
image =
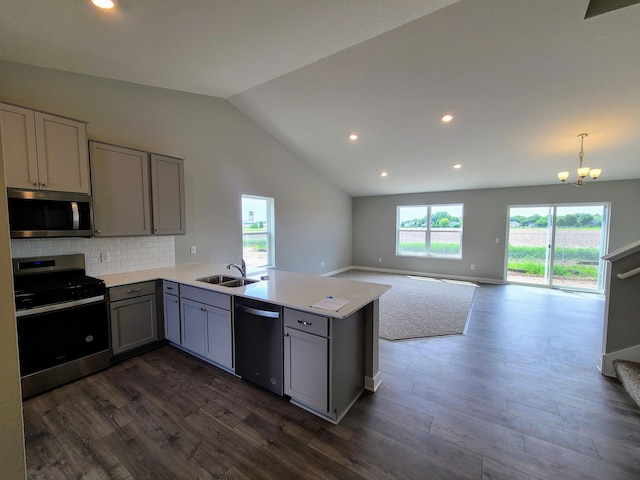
{"x": 316, "y": 340}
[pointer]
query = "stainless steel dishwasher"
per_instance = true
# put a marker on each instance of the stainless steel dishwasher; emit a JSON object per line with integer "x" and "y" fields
{"x": 258, "y": 339}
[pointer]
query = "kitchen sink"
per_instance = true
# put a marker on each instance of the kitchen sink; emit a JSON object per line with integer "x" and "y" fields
{"x": 226, "y": 281}
{"x": 216, "y": 279}
{"x": 239, "y": 282}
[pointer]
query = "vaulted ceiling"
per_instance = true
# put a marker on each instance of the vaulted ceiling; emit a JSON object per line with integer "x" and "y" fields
{"x": 521, "y": 78}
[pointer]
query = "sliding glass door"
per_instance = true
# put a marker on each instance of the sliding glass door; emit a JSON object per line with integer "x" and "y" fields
{"x": 557, "y": 246}
{"x": 530, "y": 236}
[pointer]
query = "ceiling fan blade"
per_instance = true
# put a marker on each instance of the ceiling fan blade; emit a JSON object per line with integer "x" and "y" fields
{"x": 598, "y": 7}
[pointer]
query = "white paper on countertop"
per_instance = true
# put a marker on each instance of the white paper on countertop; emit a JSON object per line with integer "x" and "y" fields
{"x": 330, "y": 303}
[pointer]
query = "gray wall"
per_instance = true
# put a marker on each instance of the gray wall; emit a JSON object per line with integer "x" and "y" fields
{"x": 623, "y": 325}
{"x": 485, "y": 218}
{"x": 12, "y": 456}
{"x": 226, "y": 155}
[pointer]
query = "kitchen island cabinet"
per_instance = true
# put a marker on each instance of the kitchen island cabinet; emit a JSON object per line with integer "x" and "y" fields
{"x": 43, "y": 151}
{"x": 332, "y": 355}
{"x": 323, "y": 362}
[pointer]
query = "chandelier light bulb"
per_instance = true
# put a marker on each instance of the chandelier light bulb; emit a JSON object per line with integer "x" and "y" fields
{"x": 103, "y": 3}
{"x": 583, "y": 172}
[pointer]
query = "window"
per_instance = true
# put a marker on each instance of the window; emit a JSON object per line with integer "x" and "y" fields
{"x": 258, "y": 231}
{"x": 429, "y": 231}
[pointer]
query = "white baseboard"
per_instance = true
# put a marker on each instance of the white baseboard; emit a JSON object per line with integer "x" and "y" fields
{"x": 418, "y": 274}
{"x": 335, "y": 272}
{"x": 372, "y": 383}
{"x": 606, "y": 360}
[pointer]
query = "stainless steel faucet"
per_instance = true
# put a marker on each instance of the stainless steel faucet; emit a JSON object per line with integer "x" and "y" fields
{"x": 242, "y": 268}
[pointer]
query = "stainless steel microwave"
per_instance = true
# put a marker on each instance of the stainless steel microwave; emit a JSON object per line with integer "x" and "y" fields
{"x": 35, "y": 214}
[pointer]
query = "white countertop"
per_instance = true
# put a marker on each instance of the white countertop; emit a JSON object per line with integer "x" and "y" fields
{"x": 295, "y": 290}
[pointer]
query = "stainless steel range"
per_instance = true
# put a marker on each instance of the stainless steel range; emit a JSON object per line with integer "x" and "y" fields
{"x": 61, "y": 314}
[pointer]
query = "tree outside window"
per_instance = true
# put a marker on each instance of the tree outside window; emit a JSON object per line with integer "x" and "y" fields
{"x": 429, "y": 230}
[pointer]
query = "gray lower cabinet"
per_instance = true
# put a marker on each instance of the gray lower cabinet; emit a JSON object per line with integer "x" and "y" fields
{"x": 171, "y": 302}
{"x": 206, "y": 324}
{"x": 323, "y": 361}
{"x": 193, "y": 325}
{"x": 134, "y": 321}
{"x": 306, "y": 360}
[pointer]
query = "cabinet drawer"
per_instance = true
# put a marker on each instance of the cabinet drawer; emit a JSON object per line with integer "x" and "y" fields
{"x": 172, "y": 288}
{"x": 131, "y": 291}
{"x": 306, "y": 322}
{"x": 215, "y": 299}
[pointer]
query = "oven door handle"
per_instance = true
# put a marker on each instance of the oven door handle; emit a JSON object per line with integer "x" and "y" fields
{"x": 59, "y": 306}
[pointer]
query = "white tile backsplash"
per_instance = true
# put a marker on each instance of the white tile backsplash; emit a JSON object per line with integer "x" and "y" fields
{"x": 126, "y": 254}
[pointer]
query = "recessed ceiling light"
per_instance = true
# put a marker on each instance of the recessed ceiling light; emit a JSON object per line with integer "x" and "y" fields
{"x": 353, "y": 137}
{"x": 447, "y": 118}
{"x": 457, "y": 165}
{"x": 383, "y": 173}
{"x": 104, "y": 3}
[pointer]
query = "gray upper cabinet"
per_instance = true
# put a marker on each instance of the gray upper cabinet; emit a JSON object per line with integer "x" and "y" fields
{"x": 136, "y": 193}
{"x": 43, "y": 151}
{"x": 121, "y": 194}
{"x": 167, "y": 187}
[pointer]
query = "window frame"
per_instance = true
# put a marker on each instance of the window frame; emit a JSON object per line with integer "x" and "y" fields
{"x": 428, "y": 231}
{"x": 270, "y": 229}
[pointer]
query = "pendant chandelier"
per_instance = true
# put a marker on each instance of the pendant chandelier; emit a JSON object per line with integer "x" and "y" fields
{"x": 582, "y": 171}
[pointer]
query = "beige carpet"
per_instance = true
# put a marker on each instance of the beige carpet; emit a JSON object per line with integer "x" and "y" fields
{"x": 628, "y": 374}
{"x": 418, "y": 307}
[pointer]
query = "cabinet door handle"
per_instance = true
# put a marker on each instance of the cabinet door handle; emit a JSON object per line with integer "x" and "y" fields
{"x": 286, "y": 334}
{"x": 134, "y": 290}
{"x": 43, "y": 184}
{"x": 35, "y": 183}
{"x": 174, "y": 301}
{"x": 169, "y": 288}
{"x": 303, "y": 322}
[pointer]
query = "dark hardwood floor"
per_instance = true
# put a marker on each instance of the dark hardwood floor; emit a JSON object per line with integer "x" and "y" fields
{"x": 517, "y": 397}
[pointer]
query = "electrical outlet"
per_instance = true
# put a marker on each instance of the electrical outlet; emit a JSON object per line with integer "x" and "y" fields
{"x": 473, "y": 267}
{"x": 193, "y": 249}
{"x": 380, "y": 260}
{"x": 322, "y": 264}
{"x": 497, "y": 239}
{"x": 105, "y": 257}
